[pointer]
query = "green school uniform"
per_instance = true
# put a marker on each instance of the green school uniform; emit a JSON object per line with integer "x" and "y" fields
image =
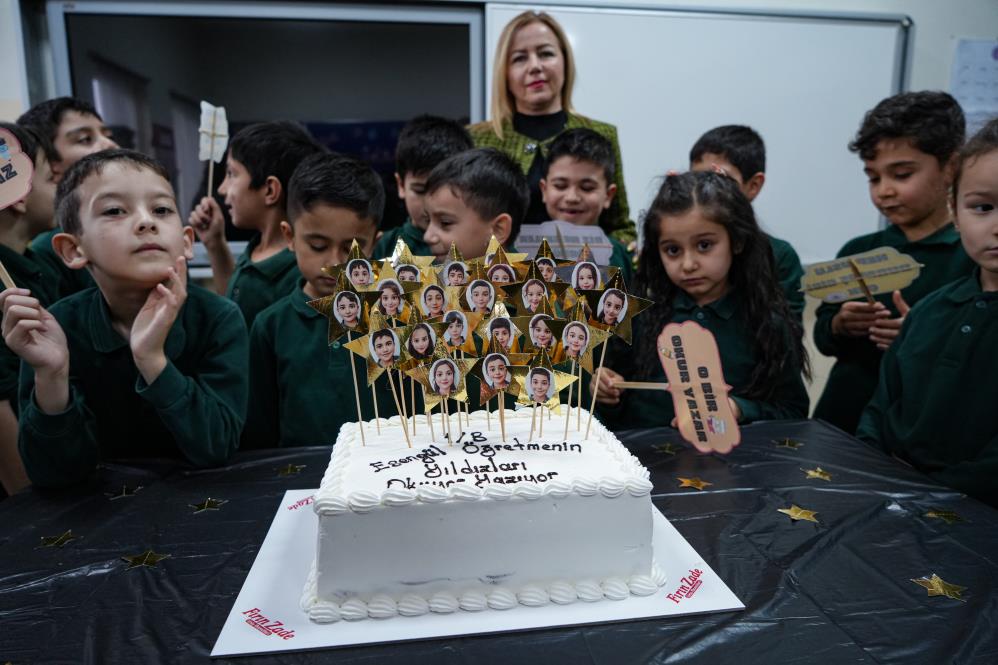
{"x": 256, "y": 285}
{"x": 42, "y": 280}
{"x": 653, "y": 408}
{"x": 621, "y": 258}
{"x": 301, "y": 389}
{"x": 935, "y": 404}
{"x": 70, "y": 281}
{"x": 854, "y": 376}
{"x": 408, "y": 232}
{"x": 788, "y": 274}
{"x": 194, "y": 409}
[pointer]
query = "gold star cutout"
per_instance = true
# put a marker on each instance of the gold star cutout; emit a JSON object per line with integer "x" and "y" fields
{"x": 936, "y": 586}
{"x": 795, "y": 513}
{"x": 290, "y": 470}
{"x": 694, "y": 482}
{"x": 667, "y": 448}
{"x": 147, "y": 558}
{"x": 208, "y": 504}
{"x": 58, "y": 541}
{"x": 125, "y": 492}
{"x": 818, "y": 473}
{"x": 788, "y": 443}
{"x": 948, "y": 516}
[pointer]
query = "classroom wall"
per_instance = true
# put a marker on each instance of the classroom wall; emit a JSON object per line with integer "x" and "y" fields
{"x": 13, "y": 81}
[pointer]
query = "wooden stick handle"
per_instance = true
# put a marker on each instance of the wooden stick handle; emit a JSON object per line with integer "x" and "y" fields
{"x": 8, "y": 282}
{"x": 641, "y": 385}
{"x": 862, "y": 282}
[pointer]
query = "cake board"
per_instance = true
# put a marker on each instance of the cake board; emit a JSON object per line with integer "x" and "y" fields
{"x": 266, "y": 616}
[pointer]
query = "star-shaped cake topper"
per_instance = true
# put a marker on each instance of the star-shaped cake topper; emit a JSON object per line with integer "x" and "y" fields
{"x": 937, "y": 586}
{"x": 795, "y": 513}
{"x": 695, "y": 483}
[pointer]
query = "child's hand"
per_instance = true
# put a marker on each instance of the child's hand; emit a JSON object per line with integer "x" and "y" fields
{"x": 34, "y": 334}
{"x": 608, "y": 393}
{"x": 208, "y": 222}
{"x": 856, "y": 317}
{"x": 886, "y": 330}
{"x": 153, "y": 322}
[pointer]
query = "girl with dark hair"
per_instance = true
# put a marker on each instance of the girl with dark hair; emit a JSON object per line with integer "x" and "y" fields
{"x": 706, "y": 260}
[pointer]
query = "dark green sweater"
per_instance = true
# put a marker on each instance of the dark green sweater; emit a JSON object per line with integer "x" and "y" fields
{"x": 194, "y": 410}
{"x": 255, "y": 286}
{"x": 935, "y": 404}
{"x": 408, "y": 232}
{"x": 70, "y": 281}
{"x": 788, "y": 274}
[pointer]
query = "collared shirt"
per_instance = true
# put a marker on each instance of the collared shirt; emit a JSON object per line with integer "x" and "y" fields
{"x": 853, "y": 378}
{"x": 195, "y": 408}
{"x": 935, "y": 403}
{"x": 256, "y": 285}
{"x": 409, "y": 233}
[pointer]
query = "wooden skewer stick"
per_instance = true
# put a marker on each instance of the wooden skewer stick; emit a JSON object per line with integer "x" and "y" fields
{"x": 443, "y": 423}
{"x": 578, "y": 403}
{"x": 641, "y": 385}
{"x": 356, "y": 395}
{"x": 8, "y": 283}
{"x": 592, "y": 405}
{"x": 540, "y": 429}
{"x": 533, "y": 421}
{"x": 374, "y": 397}
{"x": 568, "y": 411}
{"x": 446, "y": 411}
{"x": 502, "y": 414}
{"x": 488, "y": 413}
{"x": 211, "y": 156}
{"x": 412, "y": 403}
{"x": 862, "y": 282}
{"x": 429, "y": 420}
{"x": 398, "y": 406}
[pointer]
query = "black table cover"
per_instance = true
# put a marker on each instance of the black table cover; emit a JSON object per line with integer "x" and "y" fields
{"x": 835, "y": 591}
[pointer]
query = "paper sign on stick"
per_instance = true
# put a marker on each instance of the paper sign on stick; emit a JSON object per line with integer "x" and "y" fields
{"x": 214, "y": 138}
{"x": 692, "y": 363}
{"x": 883, "y": 270}
{"x": 15, "y": 170}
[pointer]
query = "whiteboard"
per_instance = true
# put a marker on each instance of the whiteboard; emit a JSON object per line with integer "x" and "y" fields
{"x": 665, "y": 77}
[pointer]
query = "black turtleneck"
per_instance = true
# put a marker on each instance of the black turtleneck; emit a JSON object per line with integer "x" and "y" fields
{"x": 539, "y": 128}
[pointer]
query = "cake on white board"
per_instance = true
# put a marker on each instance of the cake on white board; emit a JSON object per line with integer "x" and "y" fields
{"x": 479, "y": 524}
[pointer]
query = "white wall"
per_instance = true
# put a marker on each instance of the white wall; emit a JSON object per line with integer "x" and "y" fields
{"x": 13, "y": 79}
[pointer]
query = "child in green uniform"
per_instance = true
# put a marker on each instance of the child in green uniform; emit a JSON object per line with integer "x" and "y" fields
{"x": 260, "y": 162}
{"x": 578, "y": 185}
{"x": 19, "y": 223}
{"x": 423, "y": 143}
{"x": 934, "y": 405}
{"x": 706, "y": 260}
{"x": 142, "y": 365}
{"x": 740, "y": 152}
{"x": 301, "y": 390}
{"x": 908, "y": 144}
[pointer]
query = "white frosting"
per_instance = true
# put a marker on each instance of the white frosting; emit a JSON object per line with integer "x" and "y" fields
{"x": 479, "y": 524}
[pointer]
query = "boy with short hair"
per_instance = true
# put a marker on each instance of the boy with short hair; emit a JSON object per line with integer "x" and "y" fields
{"x": 424, "y": 142}
{"x": 740, "y": 153}
{"x": 908, "y": 144}
{"x": 143, "y": 365}
{"x": 579, "y": 185}
{"x": 472, "y": 196}
{"x": 258, "y": 166}
{"x": 301, "y": 391}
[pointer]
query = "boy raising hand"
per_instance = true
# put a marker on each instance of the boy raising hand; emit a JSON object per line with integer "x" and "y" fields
{"x": 143, "y": 365}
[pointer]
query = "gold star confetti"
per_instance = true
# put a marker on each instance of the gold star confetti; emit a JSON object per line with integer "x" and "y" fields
{"x": 290, "y": 470}
{"x": 795, "y": 513}
{"x": 694, "y": 482}
{"x": 147, "y": 558}
{"x": 936, "y": 586}
{"x": 818, "y": 473}
{"x": 125, "y": 492}
{"x": 788, "y": 443}
{"x": 667, "y": 448}
{"x": 208, "y": 504}
{"x": 948, "y": 516}
{"x": 60, "y": 540}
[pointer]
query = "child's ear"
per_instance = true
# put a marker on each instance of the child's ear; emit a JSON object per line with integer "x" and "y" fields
{"x": 611, "y": 192}
{"x": 67, "y": 247}
{"x": 288, "y": 232}
{"x": 188, "y": 243}
{"x": 400, "y": 183}
{"x": 544, "y": 190}
{"x": 753, "y": 185}
{"x": 502, "y": 226}
{"x": 949, "y": 169}
{"x": 272, "y": 191}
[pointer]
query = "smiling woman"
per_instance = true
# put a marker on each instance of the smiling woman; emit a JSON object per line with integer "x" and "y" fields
{"x": 532, "y": 79}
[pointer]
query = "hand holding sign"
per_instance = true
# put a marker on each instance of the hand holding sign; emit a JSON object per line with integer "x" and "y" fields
{"x": 692, "y": 363}
{"x": 15, "y": 170}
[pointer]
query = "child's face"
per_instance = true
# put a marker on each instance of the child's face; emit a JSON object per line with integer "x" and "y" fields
{"x": 535, "y": 293}
{"x": 412, "y": 190}
{"x": 451, "y": 221}
{"x": 360, "y": 275}
{"x": 246, "y": 205}
{"x": 79, "y": 135}
{"x": 390, "y": 302}
{"x": 586, "y": 279}
{"x": 500, "y": 277}
{"x": 576, "y": 191}
{"x": 612, "y": 305}
{"x": 407, "y": 275}
{"x": 696, "y": 254}
{"x": 908, "y": 186}
{"x": 546, "y": 270}
{"x": 348, "y": 309}
{"x": 501, "y": 335}
{"x": 455, "y": 329}
{"x": 455, "y": 276}
{"x": 977, "y": 215}
{"x": 542, "y": 334}
{"x": 539, "y": 385}
{"x": 384, "y": 348}
{"x": 322, "y": 236}
{"x": 420, "y": 340}
{"x": 131, "y": 232}
{"x": 40, "y": 201}
{"x": 575, "y": 337}
{"x": 434, "y": 302}
{"x": 496, "y": 370}
{"x": 480, "y": 297}
{"x": 443, "y": 375}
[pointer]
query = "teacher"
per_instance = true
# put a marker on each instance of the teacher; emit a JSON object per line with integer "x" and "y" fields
{"x": 532, "y": 80}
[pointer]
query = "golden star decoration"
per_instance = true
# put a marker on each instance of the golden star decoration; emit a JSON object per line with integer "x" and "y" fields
{"x": 948, "y": 516}
{"x": 788, "y": 443}
{"x": 695, "y": 483}
{"x": 355, "y": 254}
{"x": 597, "y": 336}
{"x": 486, "y": 391}
{"x": 937, "y": 586}
{"x": 795, "y": 513}
{"x": 402, "y": 255}
{"x": 147, "y": 558}
{"x": 561, "y": 381}
{"x": 327, "y": 304}
{"x": 125, "y": 492}
{"x": 667, "y": 448}
{"x": 818, "y": 473}
{"x": 634, "y": 304}
{"x": 422, "y": 374}
{"x": 208, "y": 504}
{"x": 290, "y": 470}
{"x": 60, "y": 540}
{"x": 362, "y": 345}
{"x": 516, "y": 292}
{"x": 471, "y": 321}
{"x": 494, "y": 250}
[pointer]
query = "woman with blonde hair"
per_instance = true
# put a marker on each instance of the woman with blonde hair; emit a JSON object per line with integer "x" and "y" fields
{"x": 532, "y": 78}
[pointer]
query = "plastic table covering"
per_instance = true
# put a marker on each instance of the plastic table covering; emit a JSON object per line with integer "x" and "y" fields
{"x": 836, "y": 591}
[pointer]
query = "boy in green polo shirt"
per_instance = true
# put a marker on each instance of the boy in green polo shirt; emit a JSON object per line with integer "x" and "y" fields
{"x": 423, "y": 143}
{"x": 908, "y": 144}
{"x": 301, "y": 391}
{"x": 259, "y": 165}
{"x": 143, "y": 365}
{"x": 934, "y": 405}
{"x": 740, "y": 152}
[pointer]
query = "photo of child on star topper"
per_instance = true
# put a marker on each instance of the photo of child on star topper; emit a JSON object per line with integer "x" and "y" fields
{"x": 501, "y": 273}
{"x": 445, "y": 378}
{"x": 346, "y": 309}
{"x": 390, "y": 303}
{"x": 533, "y": 292}
{"x": 546, "y": 268}
{"x": 384, "y": 347}
{"x": 407, "y": 272}
{"x": 496, "y": 374}
{"x": 480, "y": 296}
{"x": 457, "y": 324}
{"x": 575, "y": 338}
{"x": 433, "y": 301}
{"x": 456, "y": 272}
{"x": 541, "y": 385}
{"x": 359, "y": 272}
{"x": 612, "y": 307}
{"x": 585, "y": 276}
{"x": 501, "y": 330}
{"x": 540, "y": 332}
{"x": 421, "y": 341}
